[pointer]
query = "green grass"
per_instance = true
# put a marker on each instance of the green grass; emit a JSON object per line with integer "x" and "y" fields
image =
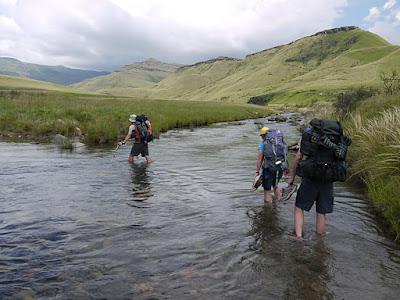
{"x": 374, "y": 126}
{"x": 368, "y": 55}
{"x": 102, "y": 119}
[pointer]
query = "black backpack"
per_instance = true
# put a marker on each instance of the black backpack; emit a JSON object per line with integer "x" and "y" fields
{"x": 325, "y": 148}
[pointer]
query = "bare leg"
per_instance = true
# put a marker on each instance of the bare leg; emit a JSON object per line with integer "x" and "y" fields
{"x": 278, "y": 193}
{"x": 320, "y": 223}
{"x": 130, "y": 159}
{"x": 298, "y": 220}
{"x": 267, "y": 197}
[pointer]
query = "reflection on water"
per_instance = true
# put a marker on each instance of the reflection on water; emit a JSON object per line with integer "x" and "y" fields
{"x": 309, "y": 271}
{"x": 264, "y": 226}
{"x": 303, "y": 266}
{"x": 141, "y": 187}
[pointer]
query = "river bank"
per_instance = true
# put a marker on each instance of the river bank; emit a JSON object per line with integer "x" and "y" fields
{"x": 374, "y": 125}
{"x": 99, "y": 120}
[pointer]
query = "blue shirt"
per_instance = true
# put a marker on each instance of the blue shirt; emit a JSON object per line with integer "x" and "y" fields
{"x": 261, "y": 146}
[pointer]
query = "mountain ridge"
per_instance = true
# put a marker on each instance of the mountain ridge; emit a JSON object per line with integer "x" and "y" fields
{"x": 128, "y": 78}
{"x": 309, "y": 69}
{"x": 55, "y": 74}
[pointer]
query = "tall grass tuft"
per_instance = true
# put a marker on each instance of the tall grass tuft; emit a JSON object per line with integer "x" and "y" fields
{"x": 375, "y": 154}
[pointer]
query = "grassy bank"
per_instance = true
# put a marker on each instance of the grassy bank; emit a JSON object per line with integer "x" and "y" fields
{"x": 39, "y": 115}
{"x": 374, "y": 125}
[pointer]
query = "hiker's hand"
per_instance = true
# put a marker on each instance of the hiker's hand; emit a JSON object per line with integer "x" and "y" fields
{"x": 347, "y": 140}
{"x": 341, "y": 151}
{"x": 121, "y": 143}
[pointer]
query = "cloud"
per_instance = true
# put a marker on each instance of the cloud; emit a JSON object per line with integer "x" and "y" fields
{"x": 374, "y": 14}
{"x": 105, "y": 34}
{"x": 7, "y": 2}
{"x": 387, "y": 31}
{"x": 8, "y": 26}
{"x": 389, "y": 4}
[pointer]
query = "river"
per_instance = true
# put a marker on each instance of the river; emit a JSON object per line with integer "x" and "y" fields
{"x": 87, "y": 225}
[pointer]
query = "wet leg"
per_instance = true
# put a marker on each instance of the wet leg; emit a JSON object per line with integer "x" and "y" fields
{"x": 278, "y": 193}
{"x": 298, "y": 221}
{"x": 320, "y": 223}
{"x": 267, "y": 197}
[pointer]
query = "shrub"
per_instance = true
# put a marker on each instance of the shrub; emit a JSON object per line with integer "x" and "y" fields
{"x": 345, "y": 101}
{"x": 391, "y": 82}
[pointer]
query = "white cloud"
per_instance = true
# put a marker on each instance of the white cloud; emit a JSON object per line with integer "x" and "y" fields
{"x": 7, "y": 26}
{"x": 387, "y": 31}
{"x": 389, "y": 4}
{"x": 374, "y": 14}
{"x": 105, "y": 34}
{"x": 398, "y": 16}
{"x": 8, "y": 2}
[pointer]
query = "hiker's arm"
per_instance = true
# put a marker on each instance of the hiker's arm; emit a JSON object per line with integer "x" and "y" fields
{"x": 296, "y": 160}
{"x": 259, "y": 161}
{"x": 129, "y": 135}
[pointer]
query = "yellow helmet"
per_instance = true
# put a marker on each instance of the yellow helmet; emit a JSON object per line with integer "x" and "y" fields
{"x": 264, "y": 130}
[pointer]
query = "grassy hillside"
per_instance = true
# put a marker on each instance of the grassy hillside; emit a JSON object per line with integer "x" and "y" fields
{"x": 129, "y": 78}
{"x": 54, "y": 74}
{"x": 16, "y": 84}
{"x": 307, "y": 70}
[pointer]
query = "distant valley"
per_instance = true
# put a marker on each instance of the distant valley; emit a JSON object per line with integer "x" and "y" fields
{"x": 55, "y": 74}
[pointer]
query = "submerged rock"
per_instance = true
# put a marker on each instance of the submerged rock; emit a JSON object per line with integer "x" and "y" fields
{"x": 143, "y": 288}
{"x": 59, "y": 139}
{"x": 278, "y": 119}
{"x": 62, "y": 141}
{"x": 78, "y": 131}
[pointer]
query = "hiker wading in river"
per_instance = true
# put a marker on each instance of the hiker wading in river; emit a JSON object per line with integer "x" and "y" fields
{"x": 272, "y": 151}
{"x": 324, "y": 147}
{"x": 141, "y": 131}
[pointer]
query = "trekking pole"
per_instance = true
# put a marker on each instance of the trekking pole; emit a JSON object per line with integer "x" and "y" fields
{"x": 116, "y": 149}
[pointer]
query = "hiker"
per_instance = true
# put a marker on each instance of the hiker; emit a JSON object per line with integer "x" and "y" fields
{"x": 141, "y": 131}
{"x": 324, "y": 145}
{"x": 272, "y": 151}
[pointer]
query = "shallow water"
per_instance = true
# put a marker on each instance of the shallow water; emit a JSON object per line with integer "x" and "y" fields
{"x": 85, "y": 225}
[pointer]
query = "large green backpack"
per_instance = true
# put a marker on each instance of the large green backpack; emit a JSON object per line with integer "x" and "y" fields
{"x": 325, "y": 152}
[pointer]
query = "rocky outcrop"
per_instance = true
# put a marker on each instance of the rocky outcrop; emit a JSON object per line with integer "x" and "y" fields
{"x": 335, "y": 30}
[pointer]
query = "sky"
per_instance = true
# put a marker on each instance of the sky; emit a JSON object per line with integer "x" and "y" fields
{"x": 107, "y": 34}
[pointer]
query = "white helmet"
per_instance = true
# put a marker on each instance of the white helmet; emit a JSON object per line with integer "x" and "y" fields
{"x": 132, "y": 118}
